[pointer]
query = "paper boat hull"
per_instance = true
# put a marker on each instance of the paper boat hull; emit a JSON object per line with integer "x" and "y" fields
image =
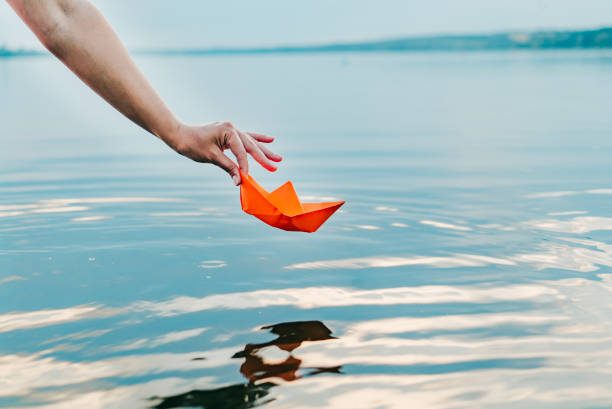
{"x": 310, "y": 222}
{"x": 306, "y": 222}
{"x": 306, "y": 217}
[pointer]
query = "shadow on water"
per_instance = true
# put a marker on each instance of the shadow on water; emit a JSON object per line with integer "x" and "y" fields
{"x": 291, "y": 335}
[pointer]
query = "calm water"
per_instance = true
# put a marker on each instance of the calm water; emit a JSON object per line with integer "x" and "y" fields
{"x": 470, "y": 268}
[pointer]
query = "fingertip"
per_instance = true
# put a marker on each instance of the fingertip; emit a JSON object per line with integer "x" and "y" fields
{"x": 261, "y": 138}
{"x": 236, "y": 179}
{"x": 269, "y": 166}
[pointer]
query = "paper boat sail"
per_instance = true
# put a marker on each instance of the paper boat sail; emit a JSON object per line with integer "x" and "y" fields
{"x": 282, "y": 207}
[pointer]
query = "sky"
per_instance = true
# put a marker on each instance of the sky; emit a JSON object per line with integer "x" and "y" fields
{"x": 233, "y": 23}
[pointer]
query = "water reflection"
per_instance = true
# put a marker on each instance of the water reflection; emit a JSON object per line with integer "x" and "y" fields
{"x": 290, "y": 336}
{"x": 442, "y": 225}
{"x": 22, "y": 320}
{"x": 456, "y": 260}
{"x": 69, "y": 205}
{"x": 542, "y": 195}
{"x": 497, "y": 312}
{"x": 239, "y": 396}
{"x": 257, "y": 368}
{"x": 577, "y": 225}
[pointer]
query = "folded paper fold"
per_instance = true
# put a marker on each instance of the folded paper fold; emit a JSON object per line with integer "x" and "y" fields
{"x": 282, "y": 208}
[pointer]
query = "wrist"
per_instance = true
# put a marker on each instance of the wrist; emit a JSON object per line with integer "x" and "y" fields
{"x": 172, "y": 134}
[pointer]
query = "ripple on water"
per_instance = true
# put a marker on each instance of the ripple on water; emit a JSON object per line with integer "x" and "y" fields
{"x": 470, "y": 267}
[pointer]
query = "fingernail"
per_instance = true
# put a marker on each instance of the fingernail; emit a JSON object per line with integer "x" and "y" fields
{"x": 235, "y": 179}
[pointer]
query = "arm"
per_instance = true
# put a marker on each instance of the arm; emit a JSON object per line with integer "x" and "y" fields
{"x": 77, "y": 33}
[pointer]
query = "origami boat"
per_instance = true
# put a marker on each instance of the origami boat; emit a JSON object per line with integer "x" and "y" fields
{"x": 282, "y": 207}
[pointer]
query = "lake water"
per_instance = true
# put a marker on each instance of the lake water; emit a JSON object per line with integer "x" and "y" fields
{"x": 471, "y": 266}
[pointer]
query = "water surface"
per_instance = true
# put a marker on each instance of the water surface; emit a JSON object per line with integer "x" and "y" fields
{"x": 470, "y": 266}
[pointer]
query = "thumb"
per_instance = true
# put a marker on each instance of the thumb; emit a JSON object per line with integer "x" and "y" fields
{"x": 229, "y": 166}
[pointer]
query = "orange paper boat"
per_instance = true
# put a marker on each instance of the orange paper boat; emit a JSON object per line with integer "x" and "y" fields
{"x": 282, "y": 208}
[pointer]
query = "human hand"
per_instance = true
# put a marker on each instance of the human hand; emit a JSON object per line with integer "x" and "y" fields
{"x": 76, "y": 32}
{"x": 206, "y": 143}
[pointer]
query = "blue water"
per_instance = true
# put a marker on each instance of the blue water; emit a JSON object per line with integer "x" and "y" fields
{"x": 470, "y": 267}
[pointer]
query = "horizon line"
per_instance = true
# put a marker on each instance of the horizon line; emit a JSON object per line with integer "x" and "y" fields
{"x": 396, "y": 43}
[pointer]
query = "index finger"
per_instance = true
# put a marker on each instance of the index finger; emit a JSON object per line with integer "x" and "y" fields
{"x": 237, "y": 147}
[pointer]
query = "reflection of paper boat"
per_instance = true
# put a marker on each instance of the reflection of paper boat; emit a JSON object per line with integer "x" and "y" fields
{"x": 282, "y": 208}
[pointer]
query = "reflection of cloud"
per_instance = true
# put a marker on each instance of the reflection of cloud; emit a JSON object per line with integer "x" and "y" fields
{"x": 442, "y": 225}
{"x": 213, "y": 264}
{"x": 587, "y": 242}
{"x": 168, "y": 338}
{"x": 457, "y": 260}
{"x": 583, "y": 224}
{"x": 497, "y": 388}
{"x": 570, "y": 193}
{"x": 444, "y": 363}
{"x": 448, "y": 323}
{"x": 599, "y": 191}
{"x": 552, "y": 194}
{"x": 433, "y": 361}
{"x": 558, "y": 256}
{"x": 566, "y": 257}
{"x": 68, "y": 205}
{"x": 77, "y": 336}
{"x": 20, "y": 374}
{"x": 305, "y": 298}
{"x": 11, "y": 278}
{"x": 16, "y": 207}
{"x": 367, "y": 227}
{"x": 494, "y": 388}
{"x": 59, "y": 209}
{"x": 385, "y": 209}
{"x": 396, "y": 224}
{"x": 319, "y": 297}
{"x": 496, "y": 227}
{"x": 13, "y": 213}
{"x": 22, "y": 320}
{"x": 90, "y": 218}
{"x": 551, "y": 255}
{"x": 131, "y": 396}
{"x": 46, "y": 209}
{"x": 568, "y": 213}
{"x": 574, "y": 337}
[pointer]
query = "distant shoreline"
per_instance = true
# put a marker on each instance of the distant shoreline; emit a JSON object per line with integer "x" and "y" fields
{"x": 7, "y": 53}
{"x": 537, "y": 40}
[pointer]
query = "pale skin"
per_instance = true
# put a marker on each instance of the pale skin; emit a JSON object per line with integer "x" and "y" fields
{"x": 79, "y": 35}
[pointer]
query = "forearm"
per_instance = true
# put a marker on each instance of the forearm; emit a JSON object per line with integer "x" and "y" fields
{"x": 77, "y": 33}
